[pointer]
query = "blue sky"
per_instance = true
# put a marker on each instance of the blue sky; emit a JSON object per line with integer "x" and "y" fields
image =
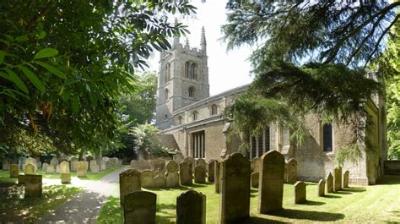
{"x": 227, "y": 69}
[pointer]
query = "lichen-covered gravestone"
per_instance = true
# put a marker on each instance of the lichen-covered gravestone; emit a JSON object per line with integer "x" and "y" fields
{"x": 337, "y": 179}
{"x": 272, "y": 168}
{"x": 81, "y": 168}
{"x": 255, "y": 177}
{"x": 201, "y": 162}
{"x": 300, "y": 192}
{"x": 172, "y": 176}
{"x": 30, "y": 160}
{"x": 191, "y": 208}
{"x": 321, "y": 188}
{"x": 291, "y": 171}
{"x": 200, "y": 174}
{"x": 74, "y": 162}
{"x": 211, "y": 171}
{"x": 185, "y": 173}
{"x": 129, "y": 182}
{"x": 146, "y": 179}
{"x": 346, "y": 175}
{"x": 29, "y": 168}
{"x": 159, "y": 181}
{"x": 217, "y": 179}
{"x": 65, "y": 172}
{"x": 14, "y": 171}
{"x": 329, "y": 183}
{"x": 140, "y": 208}
{"x": 235, "y": 189}
{"x": 33, "y": 185}
{"x": 50, "y": 169}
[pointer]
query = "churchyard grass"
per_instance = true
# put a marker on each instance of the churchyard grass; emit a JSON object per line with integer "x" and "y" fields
{"x": 377, "y": 204}
{"x": 15, "y": 208}
{"x": 89, "y": 176}
{"x": 5, "y": 178}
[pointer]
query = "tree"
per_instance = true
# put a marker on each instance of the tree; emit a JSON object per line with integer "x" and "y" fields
{"x": 65, "y": 64}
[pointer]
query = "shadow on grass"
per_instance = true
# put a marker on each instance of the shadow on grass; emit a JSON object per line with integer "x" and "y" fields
{"x": 164, "y": 217}
{"x": 313, "y": 203}
{"x": 354, "y": 189}
{"x": 342, "y": 192}
{"x": 309, "y": 215}
{"x": 259, "y": 220}
{"x": 331, "y": 196}
{"x": 389, "y": 180}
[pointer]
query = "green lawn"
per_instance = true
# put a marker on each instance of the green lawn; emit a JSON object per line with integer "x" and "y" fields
{"x": 14, "y": 208}
{"x": 376, "y": 204}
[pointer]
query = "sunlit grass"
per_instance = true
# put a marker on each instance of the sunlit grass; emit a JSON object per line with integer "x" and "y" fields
{"x": 377, "y": 204}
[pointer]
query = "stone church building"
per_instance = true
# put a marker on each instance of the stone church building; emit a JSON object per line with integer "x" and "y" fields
{"x": 193, "y": 122}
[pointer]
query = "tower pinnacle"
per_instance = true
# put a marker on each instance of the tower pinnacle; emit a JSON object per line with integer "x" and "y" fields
{"x": 176, "y": 37}
{"x": 203, "y": 42}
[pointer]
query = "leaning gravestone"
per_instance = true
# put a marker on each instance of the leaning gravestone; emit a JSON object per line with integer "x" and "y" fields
{"x": 337, "y": 179}
{"x": 329, "y": 183}
{"x": 33, "y": 185}
{"x": 65, "y": 172}
{"x": 200, "y": 174}
{"x": 29, "y": 168}
{"x": 191, "y": 208}
{"x": 321, "y": 188}
{"x": 146, "y": 179}
{"x": 291, "y": 171}
{"x": 235, "y": 189}
{"x": 185, "y": 173}
{"x": 14, "y": 171}
{"x": 140, "y": 208}
{"x": 272, "y": 168}
{"x": 346, "y": 175}
{"x": 211, "y": 171}
{"x": 81, "y": 168}
{"x": 254, "y": 179}
{"x": 217, "y": 179}
{"x": 129, "y": 182}
{"x": 300, "y": 192}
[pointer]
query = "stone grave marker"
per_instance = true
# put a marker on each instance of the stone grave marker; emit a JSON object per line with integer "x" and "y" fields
{"x": 185, "y": 173}
{"x": 346, "y": 175}
{"x": 146, "y": 179}
{"x": 200, "y": 174}
{"x": 255, "y": 178}
{"x": 140, "y": 208}
{"x": 159, "y": 181}
{"x": 300, "y": 192}
{"x": 217, "y": 178}
{"x": 337, "y": 179}
{"x": 33, "y": 185}
{"x": 129, "y": 182}
{"x": 329, "y": 183}
{"x": 29, "y": 168}
{"x": 321, "y": 188}
{"x": 81, "y": 168}
{"x": 14, "y": 170}
{"x": 291, "y": 171}
{"x": 211, "y": 171}
{"x": 191, "y": 208}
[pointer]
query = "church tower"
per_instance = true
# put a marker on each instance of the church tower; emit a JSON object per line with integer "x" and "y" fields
{"x": 182, "y": 79}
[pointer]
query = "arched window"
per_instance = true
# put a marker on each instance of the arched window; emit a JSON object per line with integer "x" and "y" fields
{"x": 191, "y": 91}
{"x": 327, "y": 137}
{"x": 193, "y": 71}
{"x": 214, "y": 109}
{"x": 166, "y": 94}
{"x": 167, "y": 72}
{"x": 187, "y": 68}
{"x": 195, "y": 115}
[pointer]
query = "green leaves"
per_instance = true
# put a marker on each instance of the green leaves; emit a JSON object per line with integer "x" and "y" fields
{"x": 51, "y": 69}
{"x": 32, "y": 77}
{"x": 46, "y": 53}
{"x": 13, "y": 77}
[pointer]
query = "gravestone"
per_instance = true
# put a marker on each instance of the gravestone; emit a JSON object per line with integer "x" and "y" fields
{"x": 300, "y": 192}
{"x": 94, "y": 168}
{"x": 272, "y": 168}
{"x": 346, "y": 175}
{"x": 185, "y": 173}
{"x": 201, "y": 162}
{"x": 140, "y": 164}
{"x": 58, "y": 168}
{"x": 74, "y": 162}
{"x": 81, "y": 168}
{"x": 178, "y": 157}
{"x": 157, "y": 164}
{"x": 31, "y": 160}
{"x": 337, "y": 179}
{"x": 321, "y": 188}
{"x": 291, "y": 171}
{"x": 217, "y": 178}
{"x": 14, "y": 171}
{"x": 329, "y": 183}
{"x": 44, "y": 166}
{"x": 64, "y": 167}
{"x": 54, "y": 161}
{"x": 159, "y": 181}
{"x": 21, "y": 179}
{"x": 39, "y": 165}
{"x": 172, "y": 176}
{"x": 191, "y": 208}
{"x": 5, "y": 165}
{"x": 146, "y": 179}
{"x": 140, "y": 208}
{"x": 200, "y": 174}
{"x": 172, "y": 166}
{"x": 50, "y": 169}
{"x": 65, "y": 174}
{"x": 129, "y": 182}
{"x": 211, "y": 171}
{"x": 255, "y": 178}
{"x": 29, "y": 168}
{"x": 191, "y": 162}
{"x": 255, "y": 165}
{"x": 33, "y": 185}
{"x": 235, "y": 189}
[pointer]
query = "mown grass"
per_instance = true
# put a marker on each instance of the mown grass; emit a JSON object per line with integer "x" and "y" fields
{"x": 370, "y": 204}
{"x": 16, "y": 209}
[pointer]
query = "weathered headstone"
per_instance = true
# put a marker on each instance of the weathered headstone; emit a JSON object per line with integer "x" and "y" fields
{"x": 201, "y": 162}
{"x": 58, "y": 168}
{"x": 94, "y": 168}
{"x": 64, "y": 167}
{"x": 146, "y": 179}
{"x": 65, "y": 178}
{"x": 346, "y": 175}
{"x": 140, "y": 208}
{"x": 129, "y": 181}
{"x": 337, "y": 179}
{"x": 21, "y": 179}
{"x": 321, "y": 188}
{"x": 14, "y": 171}
{"x": 33, "y": 185}
{"x": 235, "y": 189}
{"x": 159, "y": 181}
{"x": 172, "y": 166}
{"x": 329, "y": 183}
{"x": 5, "y": 165}
{"x": 255, "y": 178}
{"x": 157, "y": 164}
{"x": 30, "y": 160}
{"x": 255, "y": 165}
{"x": 185, "y": 173}
{"x": 200, "y": 174}
{"x": 211, "y": 171}
{"x": 54, "y": 161}
{"x": 140, "y": 164}
{"x": 272, "y": 168}
{"x": 81, "y": 168}
{"x": 50, "y": 169}
{"x": 217, "y": 178}
{"x": 74, "y": 162}
{"x": 29, "y": 168}
{"x": 191, "y": 162}
{"x": 191, "y": 208}
{"x": 300, "y": 192}
{"x": 291, "y": 171}
{"x": 172, "y": 176}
